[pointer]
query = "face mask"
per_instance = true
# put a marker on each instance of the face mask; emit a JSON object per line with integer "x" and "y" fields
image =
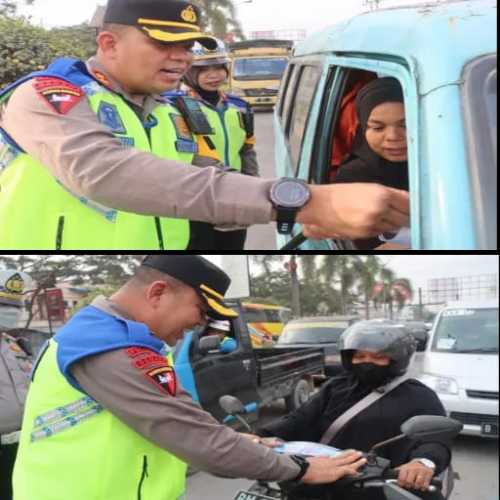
{"x": 371, "y": 375}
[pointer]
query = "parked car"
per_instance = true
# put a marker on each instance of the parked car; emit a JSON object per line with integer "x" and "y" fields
{"x": 321, "y": 332}
{"x": 461, "y": 365}
{"x": 444, "y": 54}
{"x": 255, "y": 376}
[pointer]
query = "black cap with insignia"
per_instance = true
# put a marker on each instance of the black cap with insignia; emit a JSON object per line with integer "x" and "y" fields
{"x": 208, "y": 280}
{"x": 169, "y": 21}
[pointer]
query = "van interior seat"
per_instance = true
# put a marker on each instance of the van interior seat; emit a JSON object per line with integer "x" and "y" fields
{"x": 347, "y": 126}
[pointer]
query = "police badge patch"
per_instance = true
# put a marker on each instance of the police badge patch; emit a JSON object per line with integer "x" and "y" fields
{"x": 164, "y": 378}
{"x": 59, "y": 95}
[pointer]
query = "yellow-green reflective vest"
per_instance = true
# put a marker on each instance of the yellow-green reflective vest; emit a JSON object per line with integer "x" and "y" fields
{"x": 38, "y": 213}
{"x": 229, "y": 134}
{"x": 72, "y": 448}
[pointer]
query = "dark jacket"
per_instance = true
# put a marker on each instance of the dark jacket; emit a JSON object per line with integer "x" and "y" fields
{"x": 381, "y": 421}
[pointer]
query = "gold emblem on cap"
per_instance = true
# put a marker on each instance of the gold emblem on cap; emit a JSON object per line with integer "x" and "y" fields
{"x": 189, "y": 15}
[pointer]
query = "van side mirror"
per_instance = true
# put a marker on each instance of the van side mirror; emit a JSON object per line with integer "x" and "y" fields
{"x": 207, "y": 344}
{"x": 431, "y": 427}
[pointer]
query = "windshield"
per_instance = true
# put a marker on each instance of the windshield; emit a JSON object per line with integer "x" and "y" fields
{"x": 467, "y": 331}
{"x": 312, "y": 334}
{"x": 259, "y": 69}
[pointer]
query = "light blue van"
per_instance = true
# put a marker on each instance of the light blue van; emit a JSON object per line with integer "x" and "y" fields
{"x": 445, "y": 57}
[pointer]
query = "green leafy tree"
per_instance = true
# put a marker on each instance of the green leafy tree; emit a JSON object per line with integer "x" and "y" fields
{"x": 220, "y": 18}
{"x": 367, "y": 270}
{"x": 89, "y": 270}
{"x": 25, "y": 48}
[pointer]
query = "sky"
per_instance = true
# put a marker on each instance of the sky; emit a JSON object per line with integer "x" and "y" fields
{"x": 422, "y": 268}
{"x": 310, "y": 15}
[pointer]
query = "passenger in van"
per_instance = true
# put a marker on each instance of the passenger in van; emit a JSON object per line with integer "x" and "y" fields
{"x": 380, "y": 151}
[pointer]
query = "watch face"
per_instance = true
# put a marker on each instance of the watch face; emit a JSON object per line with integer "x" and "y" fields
{"x": 291, "y": 193}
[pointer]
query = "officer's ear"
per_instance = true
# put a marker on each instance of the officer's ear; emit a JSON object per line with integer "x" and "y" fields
{"x": 109, "y": 36}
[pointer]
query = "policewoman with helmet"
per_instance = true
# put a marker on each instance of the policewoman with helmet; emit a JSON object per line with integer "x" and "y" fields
{"x": 227, "y": 136}
{"x": 105, "y": 416}
{"x": 375, "y": 357}
{"x": 92, "y": 157}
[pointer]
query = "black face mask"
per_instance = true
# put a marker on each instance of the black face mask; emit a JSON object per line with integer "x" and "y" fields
{"x": 371, "y": 375}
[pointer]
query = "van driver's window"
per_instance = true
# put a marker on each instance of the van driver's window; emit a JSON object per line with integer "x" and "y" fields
{"x": 369, "y": 142}
{"x": 308, "y": 81}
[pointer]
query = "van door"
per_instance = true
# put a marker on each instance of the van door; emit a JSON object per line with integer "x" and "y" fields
{"x": 315, "y": 164}
{"x": 295, "y": 121}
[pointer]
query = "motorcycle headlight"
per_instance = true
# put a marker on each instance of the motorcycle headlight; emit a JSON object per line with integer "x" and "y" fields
{"x": 442, "y": 385}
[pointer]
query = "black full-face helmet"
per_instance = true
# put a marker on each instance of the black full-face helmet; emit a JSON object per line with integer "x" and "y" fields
{"x": 382, "y": 337}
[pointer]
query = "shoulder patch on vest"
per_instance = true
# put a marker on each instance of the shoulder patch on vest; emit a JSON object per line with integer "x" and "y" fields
{"x": 164, "y": 378}
{"x": 59, "y": 95}
{"x": 144, "y": 358}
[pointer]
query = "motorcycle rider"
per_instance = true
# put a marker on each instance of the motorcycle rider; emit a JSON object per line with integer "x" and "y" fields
{"x": 373, "y": 355}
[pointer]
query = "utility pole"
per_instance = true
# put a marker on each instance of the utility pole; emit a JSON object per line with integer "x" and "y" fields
{"x": 291, "y": 267}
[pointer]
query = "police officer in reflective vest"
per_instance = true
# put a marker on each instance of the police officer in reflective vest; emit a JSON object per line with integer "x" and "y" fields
{"x": 91, "y": 156}
{"x": 106, "y": 418}
{"x": 230, "y": 139}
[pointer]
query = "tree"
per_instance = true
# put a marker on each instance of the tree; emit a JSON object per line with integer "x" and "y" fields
{"x": 90, "y": 270}
{"x": 25, "y": 48}
{"x": 220, "y": 18}
{"x": 366, "y": 270}
{"x": 9, "y": 7}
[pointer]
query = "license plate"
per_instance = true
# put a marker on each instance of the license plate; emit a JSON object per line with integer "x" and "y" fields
{"x": 247, "y": 495}
{"x": 489, "y": 429}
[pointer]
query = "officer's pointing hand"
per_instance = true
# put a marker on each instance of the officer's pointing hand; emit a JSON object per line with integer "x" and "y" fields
{"x": 329, "y": 470}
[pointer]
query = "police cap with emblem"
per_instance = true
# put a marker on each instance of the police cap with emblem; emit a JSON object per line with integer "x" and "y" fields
{"x": 195, "y": 271}
{"x": 169, "y": 21}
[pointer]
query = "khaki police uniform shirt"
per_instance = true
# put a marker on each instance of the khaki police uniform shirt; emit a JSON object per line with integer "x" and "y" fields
{"x": 88, "y": 160}
{"x": 174, "y": 421}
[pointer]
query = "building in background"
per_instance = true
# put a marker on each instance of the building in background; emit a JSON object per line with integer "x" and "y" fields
{"x": 293, "y": 35}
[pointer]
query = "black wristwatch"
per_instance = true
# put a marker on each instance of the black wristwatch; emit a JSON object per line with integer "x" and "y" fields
{"x": 303, "y": 464}
{"x": 288, "y": 197}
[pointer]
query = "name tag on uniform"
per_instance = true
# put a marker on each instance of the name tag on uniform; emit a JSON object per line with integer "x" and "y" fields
{"x": 183, "y": 146}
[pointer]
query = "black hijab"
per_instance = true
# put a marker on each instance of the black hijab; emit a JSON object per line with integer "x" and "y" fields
{"x": 364, "y": 165}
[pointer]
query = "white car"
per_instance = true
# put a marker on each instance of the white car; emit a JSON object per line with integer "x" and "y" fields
{"x": 461, "y": 364}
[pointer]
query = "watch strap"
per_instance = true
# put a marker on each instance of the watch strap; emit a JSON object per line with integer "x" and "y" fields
{"x": 286, "y": 219}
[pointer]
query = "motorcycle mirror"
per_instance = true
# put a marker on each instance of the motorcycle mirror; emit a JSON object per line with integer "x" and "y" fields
{"x": 231, "y": 405}
{"x": 431, "y": 426}
{"x": 210, "y": 343}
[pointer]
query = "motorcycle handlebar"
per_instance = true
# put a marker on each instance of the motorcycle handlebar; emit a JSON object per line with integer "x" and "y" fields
{"x": 393, "y": 474}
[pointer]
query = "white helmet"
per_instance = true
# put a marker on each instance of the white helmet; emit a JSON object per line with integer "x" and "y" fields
{"x": 205, "y": 57}
{"x": 222, "y": 325}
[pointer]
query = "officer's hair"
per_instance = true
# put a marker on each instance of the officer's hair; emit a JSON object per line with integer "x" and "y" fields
{"x": 144, "y": 276}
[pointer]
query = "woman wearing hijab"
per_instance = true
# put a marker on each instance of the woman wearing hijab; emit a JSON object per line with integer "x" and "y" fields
{"x": 380, "y": 151}
{"x": 373, "y": 354}
{"x": 232, "y": 144}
